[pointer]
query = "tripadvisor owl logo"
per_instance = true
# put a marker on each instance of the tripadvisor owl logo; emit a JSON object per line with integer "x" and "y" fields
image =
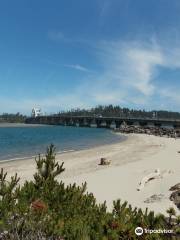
{"x": 139, "y": 231}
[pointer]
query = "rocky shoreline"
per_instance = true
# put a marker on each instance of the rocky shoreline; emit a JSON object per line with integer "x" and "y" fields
{"x": 156, "y": 131}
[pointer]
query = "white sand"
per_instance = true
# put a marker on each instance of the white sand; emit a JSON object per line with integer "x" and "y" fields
{"x": 132, "y": 160}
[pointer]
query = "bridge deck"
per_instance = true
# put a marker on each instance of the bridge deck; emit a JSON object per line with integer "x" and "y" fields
{"x": 99, "y": 121}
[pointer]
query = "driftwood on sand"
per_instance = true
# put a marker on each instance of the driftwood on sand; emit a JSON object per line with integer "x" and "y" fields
{"x": 104, "y": 161}
{"x": 151, "y": 176}
{"x": 175, "y": 187}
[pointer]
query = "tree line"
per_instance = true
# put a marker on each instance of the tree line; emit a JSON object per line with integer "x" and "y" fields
{"x": 12, "y": 118}
{"x": 117, "y": 111}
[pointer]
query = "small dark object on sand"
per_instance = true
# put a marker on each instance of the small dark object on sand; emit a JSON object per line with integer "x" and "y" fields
{"x": 104, "y": 161}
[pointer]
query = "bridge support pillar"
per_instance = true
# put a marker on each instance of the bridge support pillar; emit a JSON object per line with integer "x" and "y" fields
{"x": 103, "y": 124}
{"x": 136, "y": 124}
{"x": 85, "y": 123}
{"x": 93, "y": 124}
{"x": 77, "y": 123}
{"x": 113, "y": 125}
{"x": 150, "y": 124}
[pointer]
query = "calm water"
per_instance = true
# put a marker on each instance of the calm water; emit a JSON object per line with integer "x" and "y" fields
{"x": 18, "y": 142}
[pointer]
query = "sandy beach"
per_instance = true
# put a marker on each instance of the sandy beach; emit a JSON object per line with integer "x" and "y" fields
{"x": 131, "y": 161}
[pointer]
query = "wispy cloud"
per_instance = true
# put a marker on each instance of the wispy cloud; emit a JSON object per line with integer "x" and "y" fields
{"x": 129, "y": 75}
{"x": 77, "y": 67}
{"x": 56, "y": 35}
{"x": 132, "y": 65}
{"x": 140, "y": 68}
{"x": 59, "y": 36}
{"x": 132, "y": 71}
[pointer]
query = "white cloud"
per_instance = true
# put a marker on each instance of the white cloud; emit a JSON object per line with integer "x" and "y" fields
{"x": 140, "y": 66}
{"x": 131, "y": 74}
{"x": 130, "y": 77}
{"x": 132, "y": 65}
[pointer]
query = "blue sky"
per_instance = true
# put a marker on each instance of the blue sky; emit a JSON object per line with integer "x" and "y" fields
{"x": 66, "y": 54}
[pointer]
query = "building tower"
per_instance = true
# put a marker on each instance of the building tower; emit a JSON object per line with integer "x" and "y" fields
{"x": 36, "y": 112}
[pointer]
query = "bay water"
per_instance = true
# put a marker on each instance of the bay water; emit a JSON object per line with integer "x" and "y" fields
{"x": 18, "y": 141}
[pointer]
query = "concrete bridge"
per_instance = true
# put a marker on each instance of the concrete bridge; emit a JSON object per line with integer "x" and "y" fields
{"x": 103, "y": 122}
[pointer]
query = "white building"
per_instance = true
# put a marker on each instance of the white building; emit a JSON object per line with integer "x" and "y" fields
{"x": 36, "y": 112}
